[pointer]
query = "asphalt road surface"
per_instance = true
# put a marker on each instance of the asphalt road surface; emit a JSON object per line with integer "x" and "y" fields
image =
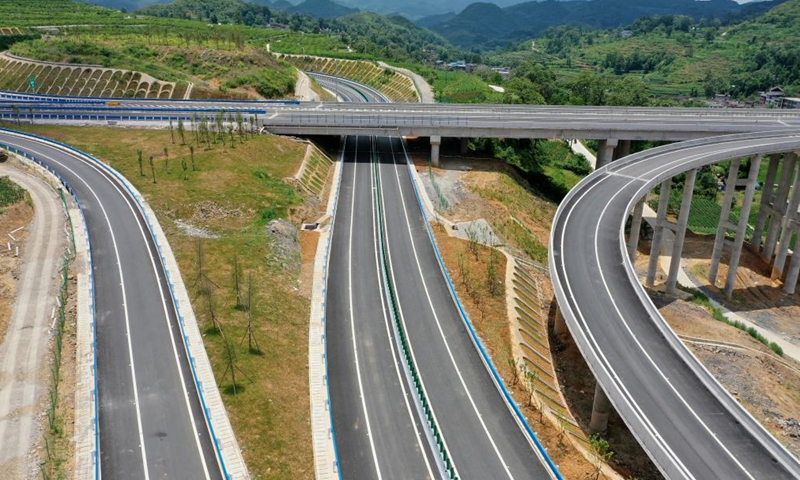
{"x": 685, "y": 420}
{"x": 482, "y": 436}
{"x": 151, "y": 424}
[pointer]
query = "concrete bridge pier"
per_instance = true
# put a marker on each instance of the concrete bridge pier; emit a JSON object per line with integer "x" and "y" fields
{"x": 680, "y": 231}
{"x": 605, "y": 152}
{"x": 636, "y": 227}
{"x": 788, "y": 225}
{"x": 790, "y": 284}
{"x": 767, "y": 197}
{"x": 724, "y": 223}
{"x": 601, "y": 411}
{"x": 464, "y": 147}
{"x": 623, "y": 149}
{"x": 658, "y": 232}
{"x": 436, "y": 143}
{"x": 778, "y": 209}
{"x": 741, "y": 228}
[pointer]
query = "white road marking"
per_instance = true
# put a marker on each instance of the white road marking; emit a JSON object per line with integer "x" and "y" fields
{"x": 125, "y": 308}
{"x": 588, "y": 332}
{"x": 352, "y": 315}
{"x": 439, "y": 326}
{"x": 392, "y": 343}
{"x": 166, "y": 318}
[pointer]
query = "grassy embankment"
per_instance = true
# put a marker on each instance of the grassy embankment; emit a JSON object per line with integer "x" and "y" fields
{"x": 233, "y": 193}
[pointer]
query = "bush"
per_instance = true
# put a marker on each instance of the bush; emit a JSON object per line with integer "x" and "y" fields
{"x": 10, "y": 192}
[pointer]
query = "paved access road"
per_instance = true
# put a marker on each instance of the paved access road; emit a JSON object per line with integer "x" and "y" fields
{"x": 685, "y": 420}
{"x": 151, "y": 425}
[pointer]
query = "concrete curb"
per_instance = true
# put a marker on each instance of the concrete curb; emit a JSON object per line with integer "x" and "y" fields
{"x": 322, "y": 434}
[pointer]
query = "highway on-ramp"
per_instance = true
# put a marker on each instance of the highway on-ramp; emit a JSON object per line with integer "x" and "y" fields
{"x": 686, "y": 421}
{"x": 150, "y": 419}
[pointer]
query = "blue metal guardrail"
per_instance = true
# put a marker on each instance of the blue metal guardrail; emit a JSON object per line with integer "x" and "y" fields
{"x": 68, "y": 98}
{"x": 476, "y": 340}
{"x": 128, "y": 187}
{"x": 96, "y": 451}
{"x": 337, "y": 465}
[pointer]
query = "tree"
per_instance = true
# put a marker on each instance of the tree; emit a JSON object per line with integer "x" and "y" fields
{"x": 602, "y": 451}
{"x": 171, "y": 132}
{"x": 166, "y": 158}
{"x": 191, "y": 155}
{"x": 182, "y": 131}
{"x": 139, "y": 155}
{"x": 236, "y": 284}
{"x": 153, "y": 169}
{"x": 252, "y": 343}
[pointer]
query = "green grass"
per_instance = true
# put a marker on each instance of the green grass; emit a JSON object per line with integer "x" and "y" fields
{"x": 702, "y": 299}
{"x": 10, "y": 193}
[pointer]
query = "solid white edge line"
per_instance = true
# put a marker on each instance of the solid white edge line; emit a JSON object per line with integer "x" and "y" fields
{"x": 127, "y": 319}
{"x": 439, "y": 325}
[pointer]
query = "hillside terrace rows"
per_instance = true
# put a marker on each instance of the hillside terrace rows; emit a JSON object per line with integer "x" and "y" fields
{"x": 89, "y": 81}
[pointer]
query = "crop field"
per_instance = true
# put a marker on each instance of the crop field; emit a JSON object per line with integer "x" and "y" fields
{"x": 88, "y": 81}
{"x": 398, "y": 87}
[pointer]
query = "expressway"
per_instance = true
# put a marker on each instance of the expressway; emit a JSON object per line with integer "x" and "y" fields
{"x": 150, "y": 418}
{"x": 446, "y": 120}
{"x": 686, "y": 421}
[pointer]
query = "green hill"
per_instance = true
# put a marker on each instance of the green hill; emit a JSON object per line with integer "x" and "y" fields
{"x": 483, "y": 24}
{"x": 322, "y": 9}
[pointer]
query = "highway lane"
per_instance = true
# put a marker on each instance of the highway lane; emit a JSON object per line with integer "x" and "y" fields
{"x": 151, "y": 422}
{"x": 688, "y": 424}
{"x": 377, "y": 429}
{"x": 348, "y": 90}
{"x": 482, "y": 436}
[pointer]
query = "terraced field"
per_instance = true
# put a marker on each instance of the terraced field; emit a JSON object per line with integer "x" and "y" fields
{"x": 398, "y": 87}
{"x": 84, "y": 80}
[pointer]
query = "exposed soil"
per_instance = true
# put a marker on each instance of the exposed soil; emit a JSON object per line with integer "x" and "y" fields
{"x": 13, "y": 217}
{"x": 488, "y": 314}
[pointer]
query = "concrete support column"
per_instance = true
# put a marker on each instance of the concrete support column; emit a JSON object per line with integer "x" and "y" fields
{"x": 658, "y": 232}
{"x": 790, "y": 284}
{"x": 436, "y": 143}
{"x": 605, "y": 152}
{"x": 741, "y": 228}
{"x": 464, "y": 145}
{"x": 680, "y": 233}
{"x": 724, "y": 218}
{"x": 636, "y": 227}
{"x": 560, "y": 325}
{"x": 623, "y": 149}
{"x": 786, "y": 233}
{"x": 767, "y": 197}
{"x": 601, "y": 410}
{"x": 779, "y": 205}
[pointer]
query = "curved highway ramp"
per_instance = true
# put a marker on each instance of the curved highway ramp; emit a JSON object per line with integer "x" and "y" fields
{"x": 689, "y": 425}
{"x": 151, "y": 421}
